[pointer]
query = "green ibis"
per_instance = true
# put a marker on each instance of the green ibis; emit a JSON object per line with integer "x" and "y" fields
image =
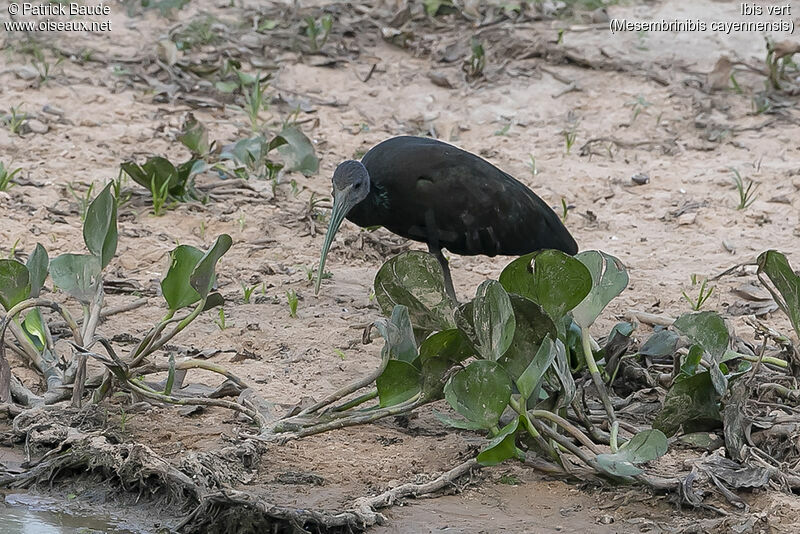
{"x": 435, "y": 193}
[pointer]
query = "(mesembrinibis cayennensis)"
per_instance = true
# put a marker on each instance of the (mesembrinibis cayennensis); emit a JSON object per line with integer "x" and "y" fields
{"x": 433, "y": 192}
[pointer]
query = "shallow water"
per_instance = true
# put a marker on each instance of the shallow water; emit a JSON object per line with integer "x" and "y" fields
{"x": 28, "y": 514}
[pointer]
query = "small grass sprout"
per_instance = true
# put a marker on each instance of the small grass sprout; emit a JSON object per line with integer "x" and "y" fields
{"x": 318, "y": 31}
{"x": 160, "y": 196}
{"x": 83, "y": 200}
{"x": 638, "y": 106}
{"x": 532, "y": 165}
{"x": 570, "y": 133}
{"x": 6, "y": 175}
{"x": 747, "y": 194}
{"x": 247, "y": 292}
{"x": 292, "y": 300}
{"x": 220, "y": 321}
{"x": 703, "y": 295}
{"x": 256, "y": 102}
{"x": 14, "y": 120}
{"x": 477, "y": 61}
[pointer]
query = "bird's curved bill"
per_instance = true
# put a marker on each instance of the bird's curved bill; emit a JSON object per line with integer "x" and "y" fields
{"x": 340, "y": 209}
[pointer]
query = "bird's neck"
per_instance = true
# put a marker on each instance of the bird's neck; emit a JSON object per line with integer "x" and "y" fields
{"x": 368, "y": 211}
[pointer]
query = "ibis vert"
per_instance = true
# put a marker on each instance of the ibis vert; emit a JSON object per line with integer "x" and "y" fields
{"x": 429, "y": 191}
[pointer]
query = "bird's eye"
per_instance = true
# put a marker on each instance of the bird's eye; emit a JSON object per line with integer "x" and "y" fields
{"x": 357, "y": 186}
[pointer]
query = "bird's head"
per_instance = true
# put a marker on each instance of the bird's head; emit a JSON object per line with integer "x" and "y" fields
{"x": 350, "y": 186}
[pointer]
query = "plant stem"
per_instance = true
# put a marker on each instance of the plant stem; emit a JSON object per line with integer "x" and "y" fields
{"x": 566, "y": 425}
{"x": 614, "y": 435}
{"x": 350, "y": 388}
{"x": 357, "y": 419}
{"x": 596, "y": 378}
{"x": 357, "y": 401}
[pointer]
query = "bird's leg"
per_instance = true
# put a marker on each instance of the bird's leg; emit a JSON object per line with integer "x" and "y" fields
{"x": 436, "y": 249}
{"x": 448, "y": 280}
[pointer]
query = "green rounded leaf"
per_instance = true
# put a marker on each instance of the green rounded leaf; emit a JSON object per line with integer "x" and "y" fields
{"x": 203, "y": 277}
{"x": 609, "y": 279}
{"x": 556, "y": 281}
{"x": 175, "y": 285}
{"x": 493, "y": 320}
{"x": 212, "y": 301}
{"x": 398, "y": 335}
{"x": 480, "y": 392}
{"x": 38, "y": 265}
{"x": 707, "y": 329}
{"x": 644, "y": 447}
{"x": 457, "y": 423}
{"x": 661, "y": 343}
{"x": 533, "y": 325}
{"x": 100, "y": 226}
{"x": 298, "y": 151}
{"x": 15, "y": 285}
{"x": 692, "y": 400}
{"x": 691, "y": 362}
{"x": 414, "y": 279}
{"x": 786, "y": 281}
{"x": 501, "y": 447}
{"x": 438, "y": 354}
{"x": 399, "y": 382}
{"x": 77, "y": 274}
{"x": 35, "y": 329}
{"x": 195, "y": 136}
{"x": 531, "y": 377}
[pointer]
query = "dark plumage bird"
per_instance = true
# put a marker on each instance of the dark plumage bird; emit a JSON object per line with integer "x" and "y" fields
{"x": 429, "y": 191}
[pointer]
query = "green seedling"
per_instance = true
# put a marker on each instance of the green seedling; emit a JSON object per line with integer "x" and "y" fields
{"x": 504, "y": 130}
{"x": 735, "y": 84}
{"x": 340, "y": 353}
{"x": 6, "y": 177}
{"x": 702, "y": 296}
{"x": 747, "y": 194}
{"x": 43, "y": 66}
{"x": 250, "y": 157}
{"x": 318, "y": 31}
{"x": 13, "y": 251}
{"x": 564, "y": 210}
{"x": 198, "y": 32}
{"x": 638, "y": 106}
{"x": 202, "y": 230}
{"x": 242, "y": 221}
{"x": 160, "y": 194}
{"x": 292, "y": 300}
{"x": 121, "y": 195}
{"x": 15, "y": 119}
{"x": 762, "y": 103}
{"x": 166, "y": 181}
{"x": 570, "y": 133}
{"x": 83, "y": 200}
{"x": 477, "y": 60}
{"x": 532, "y": 165}
{"x": 220, "y": 321}
{"x": 256, "y": 102}
{"x": 247, "y": 292}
